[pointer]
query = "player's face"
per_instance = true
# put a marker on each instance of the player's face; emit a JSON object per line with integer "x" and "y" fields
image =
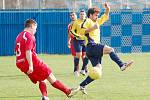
{"x": 33, "y": 28}
{"x": 94, "y": 17}
{"x": 82, "y": 15}
{"x": 73, "y": 16}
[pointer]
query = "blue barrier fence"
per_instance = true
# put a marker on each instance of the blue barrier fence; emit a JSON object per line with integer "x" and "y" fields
{"x": 126, "y": 30}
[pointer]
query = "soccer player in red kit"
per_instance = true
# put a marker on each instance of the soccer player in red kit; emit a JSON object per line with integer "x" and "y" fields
{"x": 29, "y": 63}
{"x": 73, "y": 17}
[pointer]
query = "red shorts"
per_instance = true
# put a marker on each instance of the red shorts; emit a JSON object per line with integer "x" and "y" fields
{"x": 40, "y": 72}
{"x": 72, "y": 50}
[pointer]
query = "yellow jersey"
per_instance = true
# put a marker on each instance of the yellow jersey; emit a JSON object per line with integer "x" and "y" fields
{"x": 76, "y": 29}
{"x": 93, "y": 36}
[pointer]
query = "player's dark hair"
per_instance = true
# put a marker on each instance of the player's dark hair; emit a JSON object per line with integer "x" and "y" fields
{"x": 82, "y": 10}
{"x": 29, "y": 22}
{"x": 92, "y": 11}
{"x": 72, "y": 12}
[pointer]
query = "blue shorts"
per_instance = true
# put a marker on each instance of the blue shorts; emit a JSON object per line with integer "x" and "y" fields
{"x": 95, "y": 53}
{"x": 79, "y": 45}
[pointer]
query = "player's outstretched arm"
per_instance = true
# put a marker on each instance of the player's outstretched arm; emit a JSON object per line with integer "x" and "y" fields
{"x": 105, "y": 16}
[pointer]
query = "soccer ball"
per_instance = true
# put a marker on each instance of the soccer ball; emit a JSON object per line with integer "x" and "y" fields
{"x": 95, "y": 72}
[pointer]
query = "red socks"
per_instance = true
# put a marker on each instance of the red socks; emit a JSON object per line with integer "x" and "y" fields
{"x": 43, "y": 88}
{"x": 58, "y": 85}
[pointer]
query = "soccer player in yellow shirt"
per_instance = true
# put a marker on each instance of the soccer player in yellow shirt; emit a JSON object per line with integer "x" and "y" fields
{"x": 79, "y": 45}
{"x": 94, "y": 49}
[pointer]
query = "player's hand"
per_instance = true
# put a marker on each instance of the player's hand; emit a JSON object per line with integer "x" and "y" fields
{"x": 106, "y": 6}
{"x": 69, "y": 45}
{"x": 30, "y": 70}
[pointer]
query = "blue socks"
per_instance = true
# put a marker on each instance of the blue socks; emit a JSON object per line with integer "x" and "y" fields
{"x": 85, "y": 62}
{"x": 76, "y": 64}
{"x": 87, "y": 81}
{"x": 116, "y": 59}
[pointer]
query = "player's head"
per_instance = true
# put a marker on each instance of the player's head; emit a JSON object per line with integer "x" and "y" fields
{"x": 93, "y": 13}
{"x": 82, "y": 14}
{"x": 73, "y": 16}
{"x": 31, "y": 25}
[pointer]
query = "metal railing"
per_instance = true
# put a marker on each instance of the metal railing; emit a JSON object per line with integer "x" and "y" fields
{"x": 72, "y": 4}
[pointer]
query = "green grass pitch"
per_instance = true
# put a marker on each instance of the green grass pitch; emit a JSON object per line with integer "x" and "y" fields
{"x": 132, "y": 84}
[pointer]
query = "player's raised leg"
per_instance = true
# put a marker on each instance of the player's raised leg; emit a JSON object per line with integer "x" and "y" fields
{"x": 115, "y": 58}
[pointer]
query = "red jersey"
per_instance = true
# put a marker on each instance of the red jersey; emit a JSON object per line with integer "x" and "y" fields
{"x": 25, "y": 41}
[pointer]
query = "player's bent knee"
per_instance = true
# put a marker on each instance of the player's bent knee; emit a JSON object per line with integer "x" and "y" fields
{"x": 78, "y": 55}
{"x": 112, "y": 50}
{"x": 51, "y": 78}
{"x": 107, "y": 49}
{"x": 44, "y": 81}
{"x": 95, "y": 72}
